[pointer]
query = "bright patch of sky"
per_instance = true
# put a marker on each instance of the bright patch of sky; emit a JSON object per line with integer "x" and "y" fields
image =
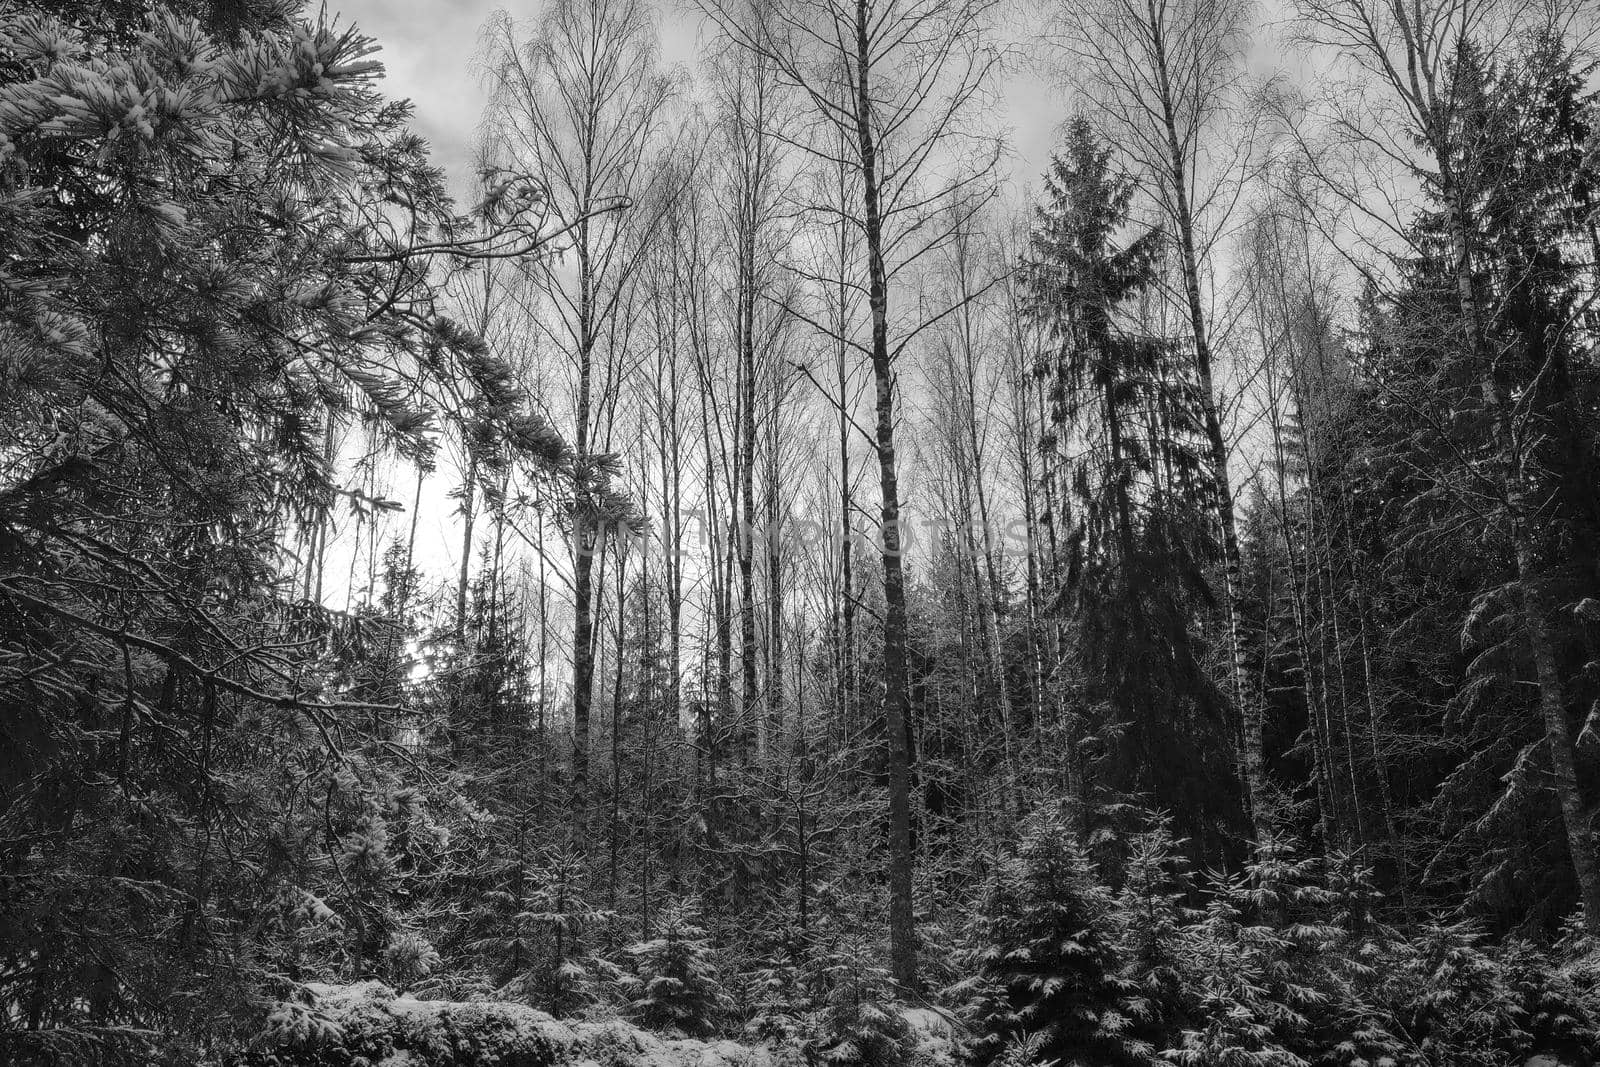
{"x": 429, "y": 50}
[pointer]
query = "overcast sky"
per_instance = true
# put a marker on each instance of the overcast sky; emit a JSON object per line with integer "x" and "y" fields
{"x": 429, "y": 48}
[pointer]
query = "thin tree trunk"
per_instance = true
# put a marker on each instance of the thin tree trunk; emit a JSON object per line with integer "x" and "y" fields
{"x": 902, "y": 927}
{"x": 469, "y": 487}
{"x": 745, "y": 525}
{"x": 991, "y": 599}
{"x": 616, "y": 737}
{"x": 1251, "y": 763}
{"x": 847, "y": 604}
{"x": 775, "y": 583}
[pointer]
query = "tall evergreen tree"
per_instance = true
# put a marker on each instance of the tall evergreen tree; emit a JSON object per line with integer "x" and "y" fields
{"x": 1133, "y": 576}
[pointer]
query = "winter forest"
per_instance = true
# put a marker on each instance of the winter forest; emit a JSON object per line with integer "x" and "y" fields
{"x": 765, "y": 573}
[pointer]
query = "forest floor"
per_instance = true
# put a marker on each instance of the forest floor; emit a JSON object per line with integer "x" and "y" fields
{"x": 370, "y": 1024}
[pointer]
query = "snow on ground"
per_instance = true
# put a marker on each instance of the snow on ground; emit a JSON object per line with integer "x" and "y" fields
{"x": 367, "y": 1023}
{"x": 934, "y": 1036}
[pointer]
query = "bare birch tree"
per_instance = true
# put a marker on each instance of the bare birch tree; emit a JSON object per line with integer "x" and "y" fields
{"x": 893, "y": 82}
{"x": 577, "y": 98}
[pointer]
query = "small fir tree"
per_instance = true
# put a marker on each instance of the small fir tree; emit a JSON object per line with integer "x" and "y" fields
{"x": 1050, "y": 976}
{"x": 542, "y": 924}
{"x": 677, "y": 988}
{"x": 860, "y": 1022}
{"x": 1152, "y": 917}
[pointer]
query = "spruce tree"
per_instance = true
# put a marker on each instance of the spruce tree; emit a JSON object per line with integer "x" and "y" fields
{"x": 1049, "y": 977}
{"x": 676, "y": 987}
{"x": 1133, "y": 582}
{"x": 859, "y": 1020}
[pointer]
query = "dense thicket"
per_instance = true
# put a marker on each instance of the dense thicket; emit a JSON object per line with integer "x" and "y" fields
{"x": 755, "y": 572}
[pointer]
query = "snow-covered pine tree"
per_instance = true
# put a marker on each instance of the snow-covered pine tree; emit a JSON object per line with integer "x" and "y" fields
{"x": 1152, "y": 916}
{"x": 859, "y": 1022}
{"x": 1133, "y": 571}
{"x": 215, "y": 248}
{"x": 779, "y": 989}
{"x": 1050, "y": 976}
{"x": 1240, "y": 1019}
{"x": 676, "y": 988}
{"x": 1269, "y": 974}
{"x": 540, "y": 923}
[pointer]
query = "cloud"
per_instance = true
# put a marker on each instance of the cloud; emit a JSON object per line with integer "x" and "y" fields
{"x": 428, "y": 51}
{"x": 430, "y": 46}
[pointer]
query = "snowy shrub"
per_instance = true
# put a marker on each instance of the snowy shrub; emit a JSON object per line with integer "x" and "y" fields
{"x": 1243, "y": 1016}
{"x": 297, "y": 1025}
{"x": 1554, "y": 1012}
{"x": 368, "y": 1025}
{"x": 1459, "y": 1001}
{"x": 409, "y": 956}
